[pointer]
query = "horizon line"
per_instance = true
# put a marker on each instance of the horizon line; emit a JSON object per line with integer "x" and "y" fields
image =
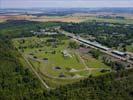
{"x": 60, "y": 7}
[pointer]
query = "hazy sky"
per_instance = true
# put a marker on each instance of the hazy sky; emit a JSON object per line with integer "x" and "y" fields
{"x": 64, "y": 3}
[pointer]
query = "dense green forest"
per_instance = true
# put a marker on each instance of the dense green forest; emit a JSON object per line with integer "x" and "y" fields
{"x": 17, "y": 82}
{"x": 109, "y": 87}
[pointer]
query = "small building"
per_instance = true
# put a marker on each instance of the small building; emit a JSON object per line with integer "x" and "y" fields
{"x": 119, "y": 53}
{"x": 95, "y": 44}
{"x": 66, "y": 54}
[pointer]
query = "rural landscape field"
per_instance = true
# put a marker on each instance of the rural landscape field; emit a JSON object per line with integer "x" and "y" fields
{"x": 76, "y": 18}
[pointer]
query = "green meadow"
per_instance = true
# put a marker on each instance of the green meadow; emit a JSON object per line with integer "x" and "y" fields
{"x": 56, "y": 62}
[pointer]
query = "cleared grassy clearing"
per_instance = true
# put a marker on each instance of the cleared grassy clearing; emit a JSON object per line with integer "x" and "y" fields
{"x": 51, "y": 77}
{"x": 94, "y": 63}
{"x": 51, "y": 64}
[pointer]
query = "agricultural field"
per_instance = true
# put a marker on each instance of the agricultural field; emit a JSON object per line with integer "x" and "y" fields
{"x": 75, "y": 18}
{"x": 56, "y": 62}
{"x": 59, "y": 19}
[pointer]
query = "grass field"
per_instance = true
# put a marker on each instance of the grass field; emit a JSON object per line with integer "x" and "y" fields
{"x": 53, "y": 66}
{"x": 94, "y": 63}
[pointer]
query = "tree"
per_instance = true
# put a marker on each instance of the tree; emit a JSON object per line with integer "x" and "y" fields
{"x": 95, "y": 53}
{"x": 73, "y": 45}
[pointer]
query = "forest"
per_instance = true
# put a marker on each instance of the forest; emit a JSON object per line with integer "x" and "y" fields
{"x": 17, "y": 82}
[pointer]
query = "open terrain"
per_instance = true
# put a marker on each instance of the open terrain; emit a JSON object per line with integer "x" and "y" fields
{"x": 22, "y": 75}
{"x": 56, "y": 62}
